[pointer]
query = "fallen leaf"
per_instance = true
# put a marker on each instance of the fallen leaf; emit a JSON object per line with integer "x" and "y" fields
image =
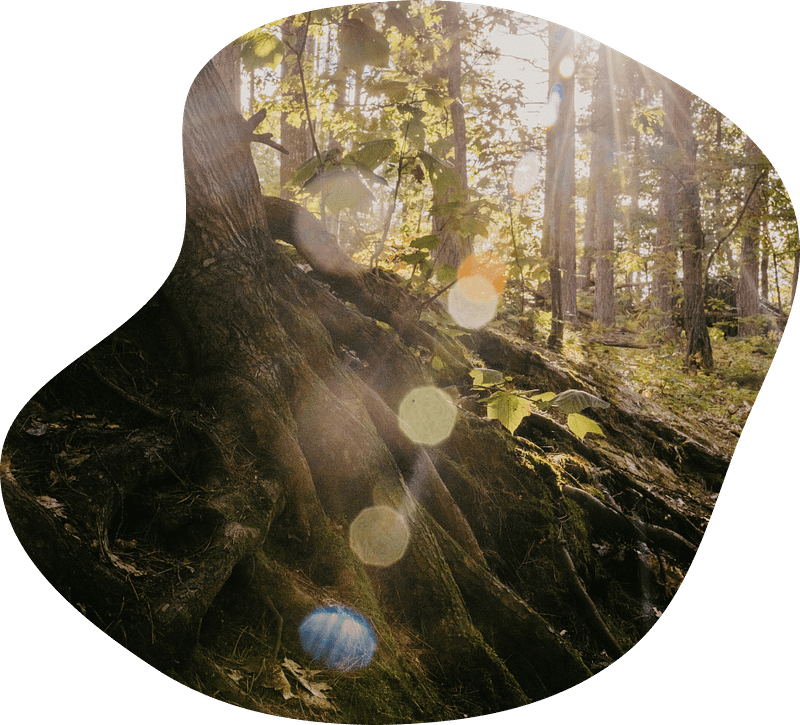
{"x": 302, "y": 676}
{"x": 274, "y": 678}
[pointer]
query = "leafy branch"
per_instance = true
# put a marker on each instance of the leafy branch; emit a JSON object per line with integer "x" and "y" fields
{"x": 510, "y": 406}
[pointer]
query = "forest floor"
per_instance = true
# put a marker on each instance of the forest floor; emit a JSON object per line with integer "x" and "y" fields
{"x": 712, "y": 405}
{"x": 689, "y": 422}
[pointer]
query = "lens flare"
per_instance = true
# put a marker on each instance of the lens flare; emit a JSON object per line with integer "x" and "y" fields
{"x": 465, "y": 309}
{"x": 427, "y": 415}
{"x": 379, "y": 536}
{"x": 338, "y": 637}
{"x": 566, "y": 67}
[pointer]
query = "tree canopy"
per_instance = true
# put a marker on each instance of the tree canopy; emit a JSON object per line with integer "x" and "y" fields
{"x": 389, "y": 128}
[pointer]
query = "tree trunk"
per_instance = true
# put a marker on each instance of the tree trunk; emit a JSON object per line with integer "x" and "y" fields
{"x": 454, "y": 246}
{"x": 698, "y": 343}
{"x": 229, "y": 66}
{"x": 265, "y": 364}
{"x": 558, "y": 239}
{"x": 603, "y": 146}
{"x": 668, "y": 228}
{"x": 256, "y": 418}
{"x": 295, "y": 138}
{"x": 561, "y": 42}
{"x": 747, "y": 297}
{"x": 589, "y": 253}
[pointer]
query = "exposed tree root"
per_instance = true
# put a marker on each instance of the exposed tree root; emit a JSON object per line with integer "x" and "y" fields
{"x": 607, "y": 519}
{"x": 576, "y": 588}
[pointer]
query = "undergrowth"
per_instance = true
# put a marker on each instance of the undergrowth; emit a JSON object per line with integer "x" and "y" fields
{"x": 720, "y": 398}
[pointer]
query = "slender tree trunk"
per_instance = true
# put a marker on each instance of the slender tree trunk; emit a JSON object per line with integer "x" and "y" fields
{"x": 698, "y": 348}
{"x": 747, "y": 292}
{"x": 603, "y": 147}
{"x": 589, "y": 230}
{"x": 764, "y": 278}
{"x": 558, "y": 240}
{"x": 454, "y": 247}
{"x": 665, "y": 261}
{"x": 562, "y": 45}
{"x": 295, "y": 138}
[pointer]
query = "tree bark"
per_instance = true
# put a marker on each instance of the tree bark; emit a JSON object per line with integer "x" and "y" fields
{"x": 747, "y": 296}
{"x": 566, "y": 219}
{"x": 454, "y": 247}
{"x": 603, "y": 146}
{"x": 295, "y": 138}
{"x": 667, "y": 231}
{"x": 698, "y": 343}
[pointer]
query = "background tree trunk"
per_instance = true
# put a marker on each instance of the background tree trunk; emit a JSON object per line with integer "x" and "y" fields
{"x": 698, "y": 343}
{"x": 454, "y": 247}
{"x": 747, "y": 296}
{"x": 603, "y": 146}
{"x": 295, "y": 138}
{"x": 668, "y": 228}
{"x": 566, "y": 219}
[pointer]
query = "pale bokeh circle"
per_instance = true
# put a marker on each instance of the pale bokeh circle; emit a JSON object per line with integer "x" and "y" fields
{"x": 379, "y": 536}
{"x": 427, "y": 415}
{"x": 472, "y": 302}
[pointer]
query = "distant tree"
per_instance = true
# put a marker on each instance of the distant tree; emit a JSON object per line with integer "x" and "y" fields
{"x": 295, "y": 133}
{"x": 603, "y": 163}
{"x": 454, "y": 246}
{"x": 565, "y": 135}
{"x": 698, "y": 348}
{"x": 665, "y": 261}
{"x": 747, "y": 296}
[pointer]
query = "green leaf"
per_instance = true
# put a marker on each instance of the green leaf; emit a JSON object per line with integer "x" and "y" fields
{"x": 395, "y": 91}
{"x": 371, "y": 176}
{"x": 442, "y": 175}
{"x": 414, "y": 257}
{"x": 415, "y": 131}
{"x": 471, "y": 226}
{"x": 341, "y": 189}
{"x": 486, "y": 377}
{"x": 433, "y": 98}
{"x": 580, "y": 425}
{"x": 305, "y": 171}
{"x": 397, "y": 16}
{"x": 429, "y": 241}
{"x": 446, "y": 273}
{"x": 263, "y": 50}
{"x": 574, "y": 401}
{"x": 362, "y": 45}
{"x": 372, "y": 153}
{"x": 508, "y": 408}
{"x": 543, "y": 399}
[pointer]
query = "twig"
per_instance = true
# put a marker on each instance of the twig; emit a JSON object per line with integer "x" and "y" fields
{"x": 735, "y": 224}
{"x": 299, "y": 53}
{"x": 266, "y": 138}
{"x": 380, "y": 247}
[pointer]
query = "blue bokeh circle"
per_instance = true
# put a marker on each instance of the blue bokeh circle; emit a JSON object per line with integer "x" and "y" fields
{"x": 338, "y": 638}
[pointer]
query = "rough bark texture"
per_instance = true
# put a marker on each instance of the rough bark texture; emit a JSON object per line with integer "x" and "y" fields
{"x": 668, "y": 221}
{"x": 698, "y": 343}
{"x": 454, "y": 246}
{"x": 747, "y": 295}
{"x": 603, "y": 148}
